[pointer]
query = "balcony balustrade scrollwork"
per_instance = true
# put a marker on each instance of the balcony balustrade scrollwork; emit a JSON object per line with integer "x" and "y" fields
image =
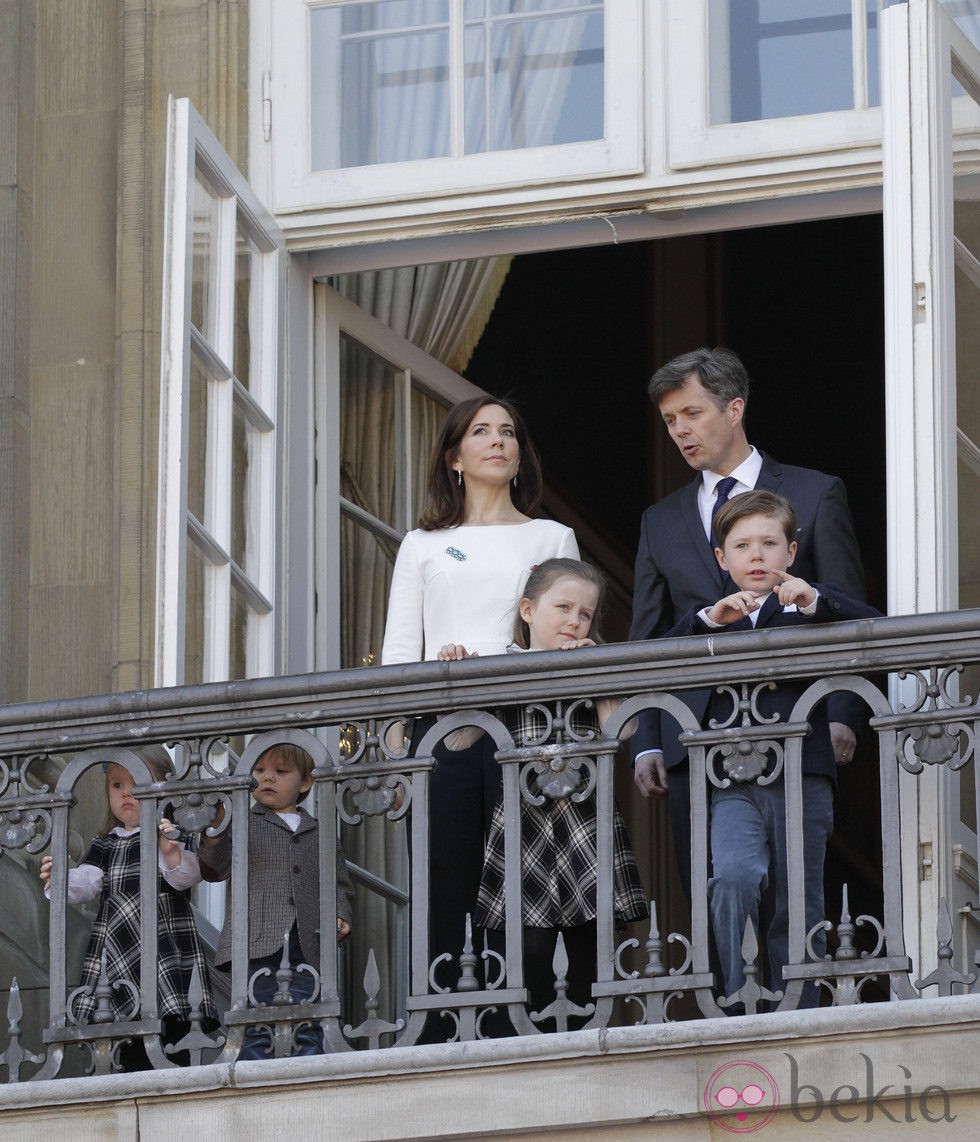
{"x": 352, "y": 724}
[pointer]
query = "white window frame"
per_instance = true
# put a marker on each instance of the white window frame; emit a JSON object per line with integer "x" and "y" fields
{"x": 695, "y": 142}
{"x": 192, "y": 148}
{"x": 920, "y": 42}
{"x": 282, "y": 37}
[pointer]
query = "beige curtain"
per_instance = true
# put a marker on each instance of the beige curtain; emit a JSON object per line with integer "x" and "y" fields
{"x": 443, "y": 308}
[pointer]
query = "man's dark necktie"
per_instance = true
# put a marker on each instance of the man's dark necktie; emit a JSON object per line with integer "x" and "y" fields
{"x": 724, "y": 489}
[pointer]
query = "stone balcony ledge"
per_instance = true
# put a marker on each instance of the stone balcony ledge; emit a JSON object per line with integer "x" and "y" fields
{"x": 875, "y": 1065}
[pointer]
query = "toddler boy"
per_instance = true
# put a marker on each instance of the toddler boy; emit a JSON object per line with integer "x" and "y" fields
{"x": 283, "y": 888}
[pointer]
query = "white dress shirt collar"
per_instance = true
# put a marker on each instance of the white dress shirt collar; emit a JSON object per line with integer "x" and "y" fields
{"x": 746, "y": 475}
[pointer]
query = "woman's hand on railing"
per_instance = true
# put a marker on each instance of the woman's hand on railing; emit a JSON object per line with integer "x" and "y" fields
{"x": 454, "y": 652}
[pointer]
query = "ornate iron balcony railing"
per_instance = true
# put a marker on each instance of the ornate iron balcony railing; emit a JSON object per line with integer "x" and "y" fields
{"x": 904, "y": 670}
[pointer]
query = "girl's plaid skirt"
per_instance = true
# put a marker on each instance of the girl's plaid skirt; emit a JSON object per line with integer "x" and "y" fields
{"x": 116, "y": 931}
{"x": 558, "y": 856}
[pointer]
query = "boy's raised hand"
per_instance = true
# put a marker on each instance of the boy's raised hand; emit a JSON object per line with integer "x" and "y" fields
{"x": 733, "y": 607}
{"x": 45, "y": 870}
{"x": 793, "y": 590}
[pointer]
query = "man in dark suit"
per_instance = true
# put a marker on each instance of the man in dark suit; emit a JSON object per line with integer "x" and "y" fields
{"x": 702, "y": 398}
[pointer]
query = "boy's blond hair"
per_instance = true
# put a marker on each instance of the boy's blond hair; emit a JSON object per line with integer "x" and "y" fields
{"x": 296, "y": 757}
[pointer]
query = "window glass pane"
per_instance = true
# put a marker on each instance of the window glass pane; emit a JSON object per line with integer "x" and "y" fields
{"x": 966, "y": 219}
{"x": 240, "y": 617}
{"x": 379, "y": 82}
{"x": 547, "y": 82}
{"x": 194, "y": 617}
{"x": 526, "y": 7}
{"x": 366, "y": 563}
{"x": 383, "y": 80}
{"x": 202, "y": 244}
{"x": 368, "y": 461}
{"x": 197, "y": 434}
{"x": 771, "y": 59}
{"x": 874, "y": 86}
{"x": 427, "y": 417}
{"x": 966, "y": 13}
{"x": 247, "y": 307}
{"x": 968, "y": 424}
{"x": 241, "y": 529}
{"x": 476, "y": 95}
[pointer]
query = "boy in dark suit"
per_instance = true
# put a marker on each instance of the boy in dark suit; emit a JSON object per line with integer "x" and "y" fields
{"x": 756, "y": 543}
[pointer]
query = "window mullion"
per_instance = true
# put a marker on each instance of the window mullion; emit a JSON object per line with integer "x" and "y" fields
{"x": 261, "y": 501}
{"x": 457, "y": 80}
{"x": 403, "y": 446}
{"x": 859, "y": 52}
{"x": 217, "y": 579}
{"x": 174, "y": 403}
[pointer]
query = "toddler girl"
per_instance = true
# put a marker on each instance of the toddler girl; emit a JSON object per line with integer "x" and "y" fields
{"x": 111, "y": 871}
{"x": 558, "y": 611}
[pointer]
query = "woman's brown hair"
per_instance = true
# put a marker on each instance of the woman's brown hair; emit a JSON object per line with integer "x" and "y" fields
{"x": 445, "y": 498}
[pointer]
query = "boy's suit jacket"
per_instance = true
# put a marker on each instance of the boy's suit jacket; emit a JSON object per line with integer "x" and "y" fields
{"x": 676, "y": 568}
{"x": 283, "y": 885}
{"x": 832, "y": 606}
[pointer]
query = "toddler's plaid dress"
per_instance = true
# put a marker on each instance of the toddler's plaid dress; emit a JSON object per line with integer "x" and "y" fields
{"x": 558, "y": 851}
{"x": 117, "y": 930}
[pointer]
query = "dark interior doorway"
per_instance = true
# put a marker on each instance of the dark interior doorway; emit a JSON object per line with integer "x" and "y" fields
{"x": 573, "y": 340}
{"x": 576, "y": 334}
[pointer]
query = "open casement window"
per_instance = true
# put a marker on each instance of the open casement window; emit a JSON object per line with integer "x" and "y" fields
{"x": 381, "y": 401}
{"x": 374, "y": 101}
{"x": 931, "y": 150}
{"x": 756, "y": 79}
{"x": 221, "y": 374}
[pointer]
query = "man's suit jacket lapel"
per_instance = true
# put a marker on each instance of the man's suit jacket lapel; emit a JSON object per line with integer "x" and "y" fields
{"x": 770, "y": 475}
{"x": 771, "y": 610}
{"x": 699, "y": 541}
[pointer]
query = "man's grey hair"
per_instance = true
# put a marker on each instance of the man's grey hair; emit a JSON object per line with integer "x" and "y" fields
{"x": 719, "y": 370}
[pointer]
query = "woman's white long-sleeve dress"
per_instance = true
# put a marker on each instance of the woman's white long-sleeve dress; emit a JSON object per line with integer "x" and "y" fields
{"x": 462, "y": 585}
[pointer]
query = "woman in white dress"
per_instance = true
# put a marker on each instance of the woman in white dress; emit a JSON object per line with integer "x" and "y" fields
{"x": 454, "y": 585}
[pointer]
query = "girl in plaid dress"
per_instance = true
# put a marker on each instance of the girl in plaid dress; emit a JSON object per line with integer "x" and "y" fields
{"x": 558, "y": 838}
{"x": 111, "y": 871}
